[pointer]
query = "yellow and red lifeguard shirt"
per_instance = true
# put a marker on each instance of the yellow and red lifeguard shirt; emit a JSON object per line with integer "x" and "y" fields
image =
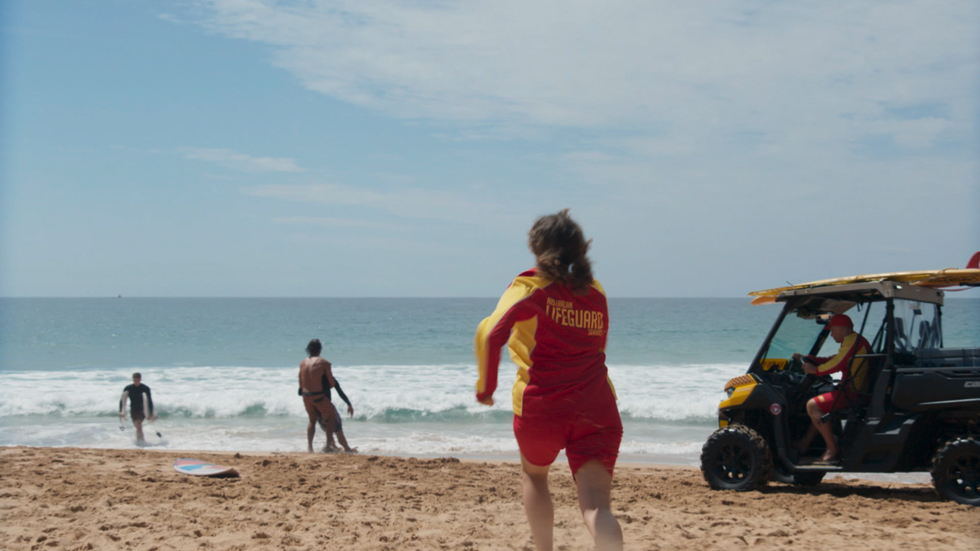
{"x": 557, "y": 340}
{"x": 852, "y": 345}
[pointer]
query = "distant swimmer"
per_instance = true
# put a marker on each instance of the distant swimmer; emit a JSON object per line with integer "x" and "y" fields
{"x": 140, "y": 405}
{"x": 315, "y": 381}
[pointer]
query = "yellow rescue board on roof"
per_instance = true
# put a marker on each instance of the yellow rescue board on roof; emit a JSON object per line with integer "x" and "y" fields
{"x": 950, "y": 277}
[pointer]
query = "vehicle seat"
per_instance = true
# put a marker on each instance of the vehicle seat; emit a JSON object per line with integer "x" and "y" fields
{"x": 853, "y": 415}
{"x": 873, "y": 364}
{"x": 928, "y": 336}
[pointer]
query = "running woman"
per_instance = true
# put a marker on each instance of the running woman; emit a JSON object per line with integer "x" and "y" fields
{"x": 554, "y": 320}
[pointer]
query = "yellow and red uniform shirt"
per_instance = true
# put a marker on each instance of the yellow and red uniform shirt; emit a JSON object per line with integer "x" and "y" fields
{"x": 557, "y": 340}
{"x": 852, "y": 345}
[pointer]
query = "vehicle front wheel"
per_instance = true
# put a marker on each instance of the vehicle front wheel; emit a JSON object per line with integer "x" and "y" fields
{"x": 736, "y": 458}
{"x": 956, "y": 470}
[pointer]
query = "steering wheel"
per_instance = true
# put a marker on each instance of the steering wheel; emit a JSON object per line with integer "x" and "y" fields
{"x": 809, "y": 379}
{"x": 794, "y": 365}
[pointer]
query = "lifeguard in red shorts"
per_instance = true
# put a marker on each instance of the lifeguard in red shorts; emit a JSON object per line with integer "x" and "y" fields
{"x": 554, "y": 320}
{"x": 853, "y": 381}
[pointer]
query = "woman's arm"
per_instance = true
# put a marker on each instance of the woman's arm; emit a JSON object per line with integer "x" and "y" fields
{"x": 492, "y": 334}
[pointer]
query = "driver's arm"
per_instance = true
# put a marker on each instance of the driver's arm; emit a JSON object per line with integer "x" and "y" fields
{"x": 842, "y": 359}
{"x": 807, "y": 363}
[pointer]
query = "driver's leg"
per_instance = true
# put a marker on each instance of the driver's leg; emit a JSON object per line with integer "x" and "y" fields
{"x": 825, "y": 430}
{"x": 804, "y": 443}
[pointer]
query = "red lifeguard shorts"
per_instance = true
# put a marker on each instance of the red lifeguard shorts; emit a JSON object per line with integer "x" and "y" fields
{"x": 591, "y": 432}
{"x": 835, "y": 400}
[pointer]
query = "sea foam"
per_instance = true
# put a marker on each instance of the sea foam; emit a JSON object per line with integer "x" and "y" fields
{"x": 386, "y": 393}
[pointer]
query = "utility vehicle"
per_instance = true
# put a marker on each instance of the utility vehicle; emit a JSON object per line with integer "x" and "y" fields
{"x": 920, "y": 410}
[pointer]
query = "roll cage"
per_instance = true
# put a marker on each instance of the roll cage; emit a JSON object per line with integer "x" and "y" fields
{"x": 894, "y": 335}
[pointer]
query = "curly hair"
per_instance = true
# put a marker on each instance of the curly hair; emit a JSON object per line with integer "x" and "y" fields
{"x": 560, "y": 249}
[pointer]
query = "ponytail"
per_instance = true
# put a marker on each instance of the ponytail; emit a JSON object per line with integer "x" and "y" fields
{"x": 560, "y": 248}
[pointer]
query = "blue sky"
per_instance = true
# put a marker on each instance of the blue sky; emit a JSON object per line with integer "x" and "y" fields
{"x": 349, "y": 148}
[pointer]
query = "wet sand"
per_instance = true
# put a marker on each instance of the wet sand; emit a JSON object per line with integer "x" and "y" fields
{"x": 85, "y": 499}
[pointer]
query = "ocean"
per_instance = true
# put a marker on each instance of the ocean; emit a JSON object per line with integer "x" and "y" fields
{"x": 223, "y": 371}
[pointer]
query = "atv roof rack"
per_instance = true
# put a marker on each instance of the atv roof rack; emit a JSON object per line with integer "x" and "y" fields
{"x": 883, "y": 289}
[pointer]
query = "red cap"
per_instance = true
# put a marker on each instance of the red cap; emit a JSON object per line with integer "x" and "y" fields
{"x": 840, "y": 320}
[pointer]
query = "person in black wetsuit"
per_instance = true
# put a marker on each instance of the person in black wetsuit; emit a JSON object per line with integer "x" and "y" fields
{"x": 140, "y": 405}
{"x": 338, "y": 429}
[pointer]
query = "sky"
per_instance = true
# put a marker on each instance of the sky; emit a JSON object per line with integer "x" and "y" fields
{"x": 303, "y": 148}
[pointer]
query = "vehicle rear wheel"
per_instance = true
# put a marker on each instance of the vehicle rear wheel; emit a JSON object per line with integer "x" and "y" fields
{"x": 736, "y": 458}
{"x": 811, "y": 478}
{"x": 956, "y": 470}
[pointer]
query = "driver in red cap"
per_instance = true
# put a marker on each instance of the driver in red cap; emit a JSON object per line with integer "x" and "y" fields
{"x": 853, "y": 381}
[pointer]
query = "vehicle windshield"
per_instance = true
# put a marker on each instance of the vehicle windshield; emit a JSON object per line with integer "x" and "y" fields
{"x": 917, "y": 326}
{"x": 797, "y": 334}
{"x": 794, "y": 335}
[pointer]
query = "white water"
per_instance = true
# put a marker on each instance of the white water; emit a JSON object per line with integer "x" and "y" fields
{"x": 399, "y": 410}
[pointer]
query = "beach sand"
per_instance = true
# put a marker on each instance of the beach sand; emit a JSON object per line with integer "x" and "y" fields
{"x": 68, "y": 498}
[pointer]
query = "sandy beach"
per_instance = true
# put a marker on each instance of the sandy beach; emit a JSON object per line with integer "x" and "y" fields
{"x": 83, "y": 499}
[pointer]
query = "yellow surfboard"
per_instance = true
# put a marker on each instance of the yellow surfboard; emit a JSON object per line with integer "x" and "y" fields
{"x": 950, "y": 277}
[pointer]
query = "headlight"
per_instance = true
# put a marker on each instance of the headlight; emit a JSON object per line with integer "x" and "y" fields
{"x": 741, "y": 380}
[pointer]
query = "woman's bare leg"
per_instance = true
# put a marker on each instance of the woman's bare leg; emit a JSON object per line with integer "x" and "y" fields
{"x": 594, "y": 484}
{"x": 537, "y": 504}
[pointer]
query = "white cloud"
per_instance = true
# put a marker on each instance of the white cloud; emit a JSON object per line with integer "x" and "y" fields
{"x": 240, "y": 161}
{"x": 700, "y": 73}
{"x": 747, "y": 128}
{"x": 919, "y": 133}
{"x": 404, "y": 202}
{"x": 326, "y": 222}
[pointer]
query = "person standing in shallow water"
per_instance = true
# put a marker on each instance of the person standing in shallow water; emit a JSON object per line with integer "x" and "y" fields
{"x": 140, "y": 405}
{"x": 315, "y": 381}
{"x": 555, "y": 320}
{"x": 338, "y": 428}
